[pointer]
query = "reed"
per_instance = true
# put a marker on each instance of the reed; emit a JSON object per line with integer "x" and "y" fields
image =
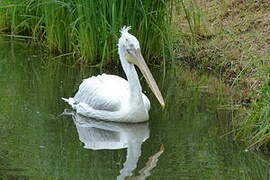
{"x": 192, "y": 13}
{"x": 58, "y": 19}
{"x": 194, "y": 18}
{"x": 17, "y": 17}
{"x": 89, "y": 28}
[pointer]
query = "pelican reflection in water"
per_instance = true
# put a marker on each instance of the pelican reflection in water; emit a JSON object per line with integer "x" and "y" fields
{"x": 112, "y": 98}
{"x": 110, "y": 135}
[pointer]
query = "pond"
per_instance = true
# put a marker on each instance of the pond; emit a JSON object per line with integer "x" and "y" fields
{"x": 186, "y": 140}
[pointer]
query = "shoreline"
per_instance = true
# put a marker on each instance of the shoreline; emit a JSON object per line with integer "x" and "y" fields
{"x": 230, "y": 39}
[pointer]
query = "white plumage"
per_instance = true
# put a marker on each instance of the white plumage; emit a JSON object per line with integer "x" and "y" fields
{"x": 106, "y": 92}
{"x": 112, "y": 98}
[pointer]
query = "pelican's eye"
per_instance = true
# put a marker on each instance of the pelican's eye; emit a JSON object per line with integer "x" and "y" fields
{"x": 128, "y": 51}
{"x": 132, "y": 46}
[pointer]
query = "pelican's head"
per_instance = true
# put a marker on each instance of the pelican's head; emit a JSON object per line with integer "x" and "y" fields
{"x": 130, "y": 47}
{"x": 127, "y": 41}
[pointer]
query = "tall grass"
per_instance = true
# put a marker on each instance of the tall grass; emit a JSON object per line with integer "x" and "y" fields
{"x": 194, "y": 18}
{"x": 191, "y": 26}
{"x": 58, "y": 18}
{"x": 19, "y": 17}
{"x": 89, "y": 28}
{"x": 256, "y": 129}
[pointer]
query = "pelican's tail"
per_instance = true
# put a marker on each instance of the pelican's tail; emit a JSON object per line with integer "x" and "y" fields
{"x": 86, "y": 110}
{"x": 70, "y": 101}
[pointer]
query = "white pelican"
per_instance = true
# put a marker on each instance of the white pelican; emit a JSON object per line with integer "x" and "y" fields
{"x": 112, "y": 98}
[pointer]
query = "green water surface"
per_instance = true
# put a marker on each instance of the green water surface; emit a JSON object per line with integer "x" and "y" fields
{"x": 184, "y": 141}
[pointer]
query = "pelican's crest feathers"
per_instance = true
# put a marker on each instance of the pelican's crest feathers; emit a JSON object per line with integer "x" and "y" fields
{"x": 125, "y": 29}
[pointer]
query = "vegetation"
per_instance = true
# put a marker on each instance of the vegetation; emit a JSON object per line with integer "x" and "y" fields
{"x": 230, "y": 39}
{"x": 256, "y": 128}
{"x": 89, "y": 29}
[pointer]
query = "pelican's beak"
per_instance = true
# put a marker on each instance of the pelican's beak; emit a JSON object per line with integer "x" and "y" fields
{"x": 139, "y": 61}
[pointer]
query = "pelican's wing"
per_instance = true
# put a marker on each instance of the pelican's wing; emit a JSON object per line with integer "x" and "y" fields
{"x": 102, "y": 92}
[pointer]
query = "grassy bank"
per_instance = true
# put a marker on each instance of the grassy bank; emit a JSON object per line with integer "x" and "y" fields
{"x": 89, "y": 29}
{"x": 230, "y": 38}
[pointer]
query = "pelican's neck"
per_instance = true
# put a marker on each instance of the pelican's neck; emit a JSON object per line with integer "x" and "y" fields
{"x": 133, "y": 79}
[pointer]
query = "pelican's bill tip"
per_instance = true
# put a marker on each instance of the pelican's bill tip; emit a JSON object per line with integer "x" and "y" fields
{"x": 163, "y": 105}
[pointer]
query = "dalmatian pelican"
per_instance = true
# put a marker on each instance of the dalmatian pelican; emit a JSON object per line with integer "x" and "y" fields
{"x": 113, "y": 98}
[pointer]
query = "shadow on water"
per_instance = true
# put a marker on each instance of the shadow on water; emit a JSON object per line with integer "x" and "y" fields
{"x": 183, "y": 141}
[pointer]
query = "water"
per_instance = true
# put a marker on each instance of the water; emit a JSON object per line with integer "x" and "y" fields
{"x": 184, "y": 141}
